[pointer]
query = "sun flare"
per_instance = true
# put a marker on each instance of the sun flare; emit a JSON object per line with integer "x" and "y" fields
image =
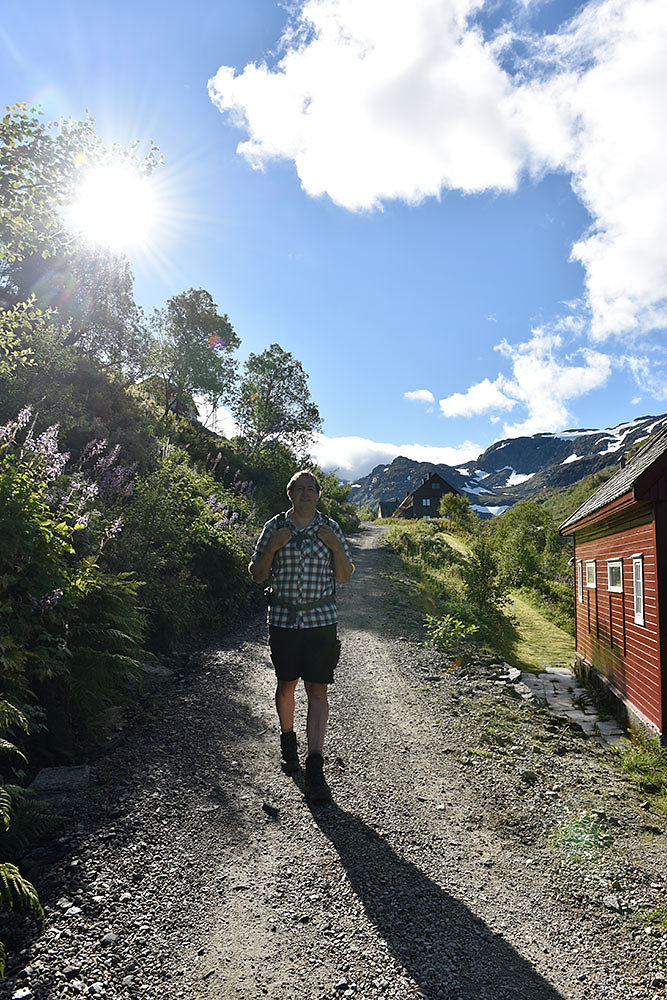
{"x": 115, "y": 206}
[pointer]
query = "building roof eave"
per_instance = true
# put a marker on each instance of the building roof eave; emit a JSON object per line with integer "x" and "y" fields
{"x": 574, "y": 524}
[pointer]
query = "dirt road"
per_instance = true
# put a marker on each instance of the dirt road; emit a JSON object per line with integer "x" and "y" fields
{"x": 218, "y": 882}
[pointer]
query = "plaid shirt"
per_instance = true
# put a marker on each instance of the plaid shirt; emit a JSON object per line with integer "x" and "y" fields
{"x": 302, "y": 572}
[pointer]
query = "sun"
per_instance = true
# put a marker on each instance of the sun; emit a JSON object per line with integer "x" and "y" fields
{"x": 115, "y": 206}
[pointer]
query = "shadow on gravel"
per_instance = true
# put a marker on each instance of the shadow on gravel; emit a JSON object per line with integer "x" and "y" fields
{"x": 449, "y": 952}
{"x": 168, "y": 785}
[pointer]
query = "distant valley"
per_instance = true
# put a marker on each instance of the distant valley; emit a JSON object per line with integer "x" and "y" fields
{"x": 513, "y": 469}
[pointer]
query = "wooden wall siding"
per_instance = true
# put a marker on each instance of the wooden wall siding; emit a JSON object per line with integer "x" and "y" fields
{"x": 634, "y": 517}
{"x": 661, "y": 560}
{"x": 627, "y": 654}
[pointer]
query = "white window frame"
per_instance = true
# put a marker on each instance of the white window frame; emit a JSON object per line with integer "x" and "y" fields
{"x": 580, "y": 581}
{"x": 638, "y": 588}
{"x": 614, "y": 564}
{"x": 426, "y": 501}
{"x": 590, "y": 585}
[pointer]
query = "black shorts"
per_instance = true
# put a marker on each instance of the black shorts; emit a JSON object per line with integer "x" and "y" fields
{"x": 310, "y": 653}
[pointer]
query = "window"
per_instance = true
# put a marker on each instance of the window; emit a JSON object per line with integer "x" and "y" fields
{"x": 580, "y": 581}
{"x": 436, "y": 486}
{"x": 615, "y": 576}
{"x": 426, "y": 502}
{"x": 590, "y": 575}
{"x": 638, "y": 588}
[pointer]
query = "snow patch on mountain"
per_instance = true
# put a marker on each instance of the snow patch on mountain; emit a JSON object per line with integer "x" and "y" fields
{"x": 494, "y": 511}
{"x": 518, "y": 477}
{"x": 476, "y": 490}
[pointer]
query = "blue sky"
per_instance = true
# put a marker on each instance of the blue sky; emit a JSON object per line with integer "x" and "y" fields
{"x": 452, "y": 212}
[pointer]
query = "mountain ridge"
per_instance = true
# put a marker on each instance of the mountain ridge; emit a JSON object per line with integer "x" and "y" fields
{"x": 513, "y": 469}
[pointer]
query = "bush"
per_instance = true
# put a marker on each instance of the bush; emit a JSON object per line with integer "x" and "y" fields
{"x": 645, "y": 759}
{"x": 456, "y": 510}
{"x": 448, "y": 633}
{"x": 191, "y": 541}
{"x": 69, "y": 630}
{"x": 483, "y": 585}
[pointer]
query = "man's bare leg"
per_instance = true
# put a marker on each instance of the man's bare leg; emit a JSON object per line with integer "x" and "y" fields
{"x": 315, "y": 787}
{"x": 318, "y": 715}
{"x": 285, "y": 707}
{"x": 285, "y": 704}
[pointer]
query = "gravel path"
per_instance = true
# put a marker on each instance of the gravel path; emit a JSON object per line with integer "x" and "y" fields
{"x": 195, "y": 870}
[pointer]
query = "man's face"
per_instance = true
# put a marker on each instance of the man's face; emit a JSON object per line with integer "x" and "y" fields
{"x": 303, "y": 492}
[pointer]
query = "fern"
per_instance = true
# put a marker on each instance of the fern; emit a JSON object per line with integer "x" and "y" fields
{"x": 5, "y": 807}
{"x": 30, "y": 821}
{"x": 17, "y": 892}
{"x": 10, "y": 750}
{"x": 12, "y": 716}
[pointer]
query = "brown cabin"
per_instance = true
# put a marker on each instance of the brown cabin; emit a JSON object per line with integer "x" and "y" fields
{"x": 425, "y": 500}
{"x": 386, "y": 508}
{"x": 620, "y": 563}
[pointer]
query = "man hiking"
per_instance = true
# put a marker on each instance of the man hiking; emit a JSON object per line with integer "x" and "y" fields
{"x": 304, "y": 554}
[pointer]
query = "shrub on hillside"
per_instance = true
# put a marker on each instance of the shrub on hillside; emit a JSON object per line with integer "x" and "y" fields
{"x": 458, "y": 515}
{"x": 69, "y": 629}
{"x": 484, "y": 587}
{"x": 190, "y": 540}
{"x": 421, "y": 542}
{"x": 335, "y": 503}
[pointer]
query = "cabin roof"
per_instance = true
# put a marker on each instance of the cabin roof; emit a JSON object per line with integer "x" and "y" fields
{"x": 623, "y": 481}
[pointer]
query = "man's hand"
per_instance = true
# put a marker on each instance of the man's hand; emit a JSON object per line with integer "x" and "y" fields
{"x": 330, "y": 538}
{"x": 279, "y": 539}
{"x": 261, "y": 569}
{"x": 343, "y": 568}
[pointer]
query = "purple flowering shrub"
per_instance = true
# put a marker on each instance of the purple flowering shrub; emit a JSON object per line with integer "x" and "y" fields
{"x": 190, "y": 539}
{"x": 69, "y": 628}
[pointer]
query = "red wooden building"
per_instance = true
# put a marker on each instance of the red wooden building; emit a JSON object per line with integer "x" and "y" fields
{"x": 620, "y": 559}
{"x": 425, "y": 500}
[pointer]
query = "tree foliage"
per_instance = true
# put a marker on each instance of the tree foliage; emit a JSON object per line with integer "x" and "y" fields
{"x": 526, "y": 543}
{"x": 273, "y": 402}
{"x": 41, "y": 163}
{"x": 483, "y": 584}
{"x": 88, "y": 292}
{"x": 457, "y": 511}
{"x": 192, "y": 350}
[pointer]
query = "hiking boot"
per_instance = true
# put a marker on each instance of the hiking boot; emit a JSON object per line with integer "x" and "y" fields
{"x": 315, "y": 787}
{"x": 288, "y": 752}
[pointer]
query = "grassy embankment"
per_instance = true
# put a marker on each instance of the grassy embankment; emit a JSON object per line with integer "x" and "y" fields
{"x": 432, "y": 562}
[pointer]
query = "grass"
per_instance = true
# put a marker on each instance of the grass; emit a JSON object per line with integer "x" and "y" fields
{"x": 644, "y": 759}
{"x": 657, "y": 917}
{"x": 580, "y": 837}
{"x": 536, "y": 643}
{"x": 433, "y": 558}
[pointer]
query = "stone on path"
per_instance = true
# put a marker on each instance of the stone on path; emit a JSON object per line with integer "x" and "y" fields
{"x": 62, "y": 779}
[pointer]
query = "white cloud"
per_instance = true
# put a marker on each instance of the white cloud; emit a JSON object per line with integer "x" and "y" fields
{"x": 479, "y": 398}
{"x": 619, "y": 159}
{"x": 354, "y": 457}
{"x": 378, "y": 99}
{"x": 649, "y": 373}
{"x": 420, "y": 396}
{"x": 543, "y": 381}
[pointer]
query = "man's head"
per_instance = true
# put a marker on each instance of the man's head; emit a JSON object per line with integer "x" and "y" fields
{"x": 304, "y": 484}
